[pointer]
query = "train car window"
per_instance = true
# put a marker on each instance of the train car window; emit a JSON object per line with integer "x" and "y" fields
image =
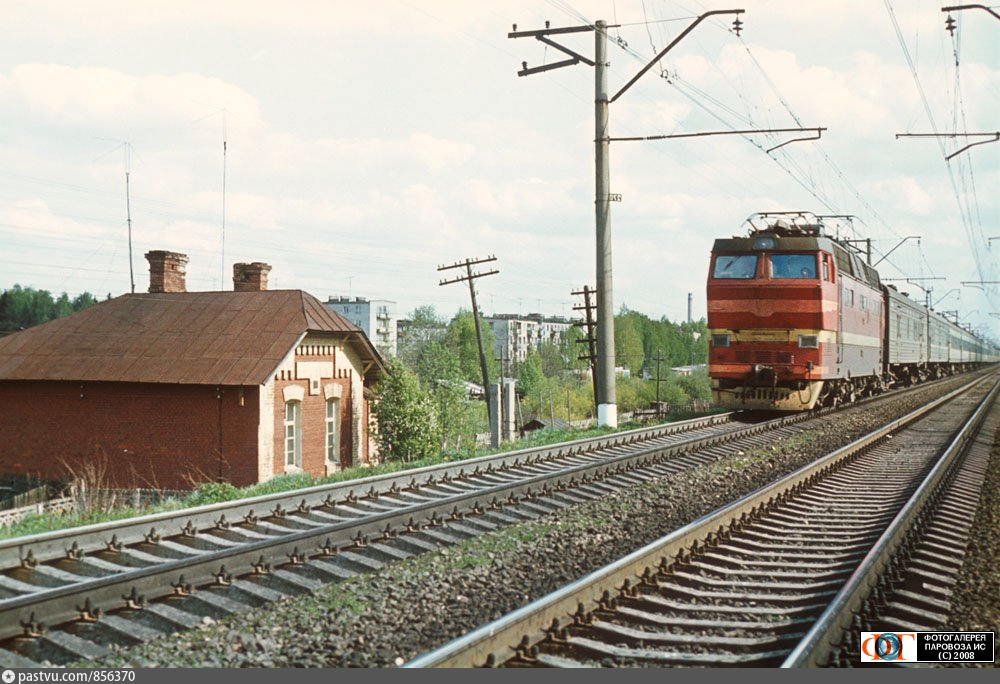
{"x": 793, "y": 265}
{"x": 737, "y": 266}
{"x": 826, "y": 267}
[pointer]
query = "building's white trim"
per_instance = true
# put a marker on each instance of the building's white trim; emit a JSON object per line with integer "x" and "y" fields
{"x": 287, "y": 362}
{"x": 293, "y": 393}
{"x": 265, "y": 431}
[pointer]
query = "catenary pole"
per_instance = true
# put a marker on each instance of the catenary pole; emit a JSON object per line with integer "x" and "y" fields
{"x": 607, "y": 408}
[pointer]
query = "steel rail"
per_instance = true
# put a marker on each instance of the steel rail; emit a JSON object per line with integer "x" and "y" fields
{"x": 60, "y": 604}
{"x": 815, "y": 648}
{"x": 21, "y": 614}
{"x": 87, "y": 538}
{"x": 504, "y": 638}
{"x": 55, "y": 605}
{"x": 49, "y": 546}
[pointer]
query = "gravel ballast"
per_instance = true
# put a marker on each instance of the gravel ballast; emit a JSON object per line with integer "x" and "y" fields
{"x": 976, "y": 601}
{"x": 388, "y": 617}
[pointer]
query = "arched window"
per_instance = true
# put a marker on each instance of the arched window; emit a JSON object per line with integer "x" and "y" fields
{"x": 332, "y": 418}
{"x": 293, "y": 434}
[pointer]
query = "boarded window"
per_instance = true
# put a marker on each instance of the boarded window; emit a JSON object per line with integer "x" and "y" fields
{"x": 332, "y": 416}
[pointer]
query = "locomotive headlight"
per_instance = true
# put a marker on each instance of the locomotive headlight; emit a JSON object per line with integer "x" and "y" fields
{"x": 808, "y": 342}
{"x": 720, "y": 340}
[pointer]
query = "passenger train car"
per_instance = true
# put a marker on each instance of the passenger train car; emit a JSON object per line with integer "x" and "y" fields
{"x": 798, "y": 320}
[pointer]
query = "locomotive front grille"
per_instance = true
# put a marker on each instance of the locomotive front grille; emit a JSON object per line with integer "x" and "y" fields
{"x": 763, "y": 356}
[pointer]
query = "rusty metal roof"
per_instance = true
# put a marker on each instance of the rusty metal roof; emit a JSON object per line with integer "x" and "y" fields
{"x": 202, "y": 338}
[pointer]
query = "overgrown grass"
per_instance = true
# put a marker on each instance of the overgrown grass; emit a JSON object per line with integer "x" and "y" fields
{"x": 218, "y": 492}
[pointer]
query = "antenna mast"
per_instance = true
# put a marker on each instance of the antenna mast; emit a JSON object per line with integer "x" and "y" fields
{"x": 222, "y": 281}
{"x": 128, "y": 214}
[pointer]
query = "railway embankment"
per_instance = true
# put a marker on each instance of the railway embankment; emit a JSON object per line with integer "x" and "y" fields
{"x": 387, "y": 617}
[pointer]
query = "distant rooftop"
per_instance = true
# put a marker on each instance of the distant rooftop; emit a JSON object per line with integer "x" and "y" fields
{"x": 219, "y": 338}
{"x": 536, "y": 317}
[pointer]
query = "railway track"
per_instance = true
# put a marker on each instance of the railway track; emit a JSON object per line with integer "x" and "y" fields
{"x": 778, "y": 577}
{"x": 133, "y": 580}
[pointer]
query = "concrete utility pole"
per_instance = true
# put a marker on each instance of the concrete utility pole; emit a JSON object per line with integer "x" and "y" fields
{"x": 607, "y": 409}
{"x": 607, "y": 405}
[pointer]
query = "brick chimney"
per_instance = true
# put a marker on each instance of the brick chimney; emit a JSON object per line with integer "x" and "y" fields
{"x": 166, "y": 271}
{"x": 250, "y": 277}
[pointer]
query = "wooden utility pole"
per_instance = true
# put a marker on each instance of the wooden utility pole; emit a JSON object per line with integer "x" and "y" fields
{"x": 470, "y": 277}
{"x": 591, "y": 339}
{"x": 659, "y": 359}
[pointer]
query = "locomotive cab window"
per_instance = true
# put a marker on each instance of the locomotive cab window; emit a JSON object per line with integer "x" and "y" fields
{"x": 793, "y": 266}
{"x": 735, "y": 267}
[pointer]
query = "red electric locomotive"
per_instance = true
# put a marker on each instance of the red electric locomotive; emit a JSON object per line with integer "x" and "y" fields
{"x": 796, "y": 318}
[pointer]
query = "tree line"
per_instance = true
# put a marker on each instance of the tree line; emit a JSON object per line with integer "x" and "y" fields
{"x": 423, "y": 403}
{"x": 23, "y": 307}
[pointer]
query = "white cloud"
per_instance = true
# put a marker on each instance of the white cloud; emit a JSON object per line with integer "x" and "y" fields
{"x": 82, "y": 95}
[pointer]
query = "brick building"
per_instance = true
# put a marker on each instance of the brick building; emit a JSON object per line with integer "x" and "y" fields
{"x": 171, "y": 388}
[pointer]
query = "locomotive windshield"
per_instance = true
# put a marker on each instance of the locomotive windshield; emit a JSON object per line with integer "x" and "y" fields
{"x": 739, "y": 266}
{"x": 793, "y": 265}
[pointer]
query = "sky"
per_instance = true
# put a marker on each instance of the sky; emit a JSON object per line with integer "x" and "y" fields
{"x": 366, "y": 144}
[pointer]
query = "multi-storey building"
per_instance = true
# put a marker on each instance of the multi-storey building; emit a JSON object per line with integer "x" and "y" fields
{"x": 514, "y": 336}
{"x": 377, "y": 317}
